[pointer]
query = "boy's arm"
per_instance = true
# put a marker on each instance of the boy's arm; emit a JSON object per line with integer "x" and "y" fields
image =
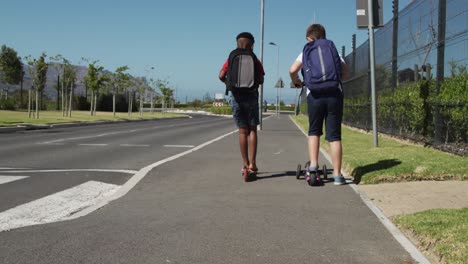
{"x": 294, "y": 73}
{"x": 222, "y": 76}
{"x": 262, "y": 72}
{"x": 223, "y": 72}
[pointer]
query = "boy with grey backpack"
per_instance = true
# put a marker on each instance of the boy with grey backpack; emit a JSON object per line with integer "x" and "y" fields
{"x": 243, "y": 73}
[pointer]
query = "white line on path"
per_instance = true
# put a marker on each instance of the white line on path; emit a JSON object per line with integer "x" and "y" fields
{"x": 56, "y": 207}
{"x": 93, "y": 145}
{"x": 72, "y": 170}
{"x": 141, "y": 174}
{"x": 5, "y": 179}
{"x": 179, "y": 146}
{"x": 133, "y": 145}
{"x": 396, "y": 233}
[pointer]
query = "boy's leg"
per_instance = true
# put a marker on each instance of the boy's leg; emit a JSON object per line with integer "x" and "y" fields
{"x": 316, "y": 108}
{"x": 333, "y": 128}
{"x": 243, "y": 144}
{"x": 336, "y": 156}
{"x": 314, "y": 146}
{"x": 253, "y": 147}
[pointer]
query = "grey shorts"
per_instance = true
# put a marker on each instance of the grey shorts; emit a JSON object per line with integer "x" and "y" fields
{"x": 245, "y": 110}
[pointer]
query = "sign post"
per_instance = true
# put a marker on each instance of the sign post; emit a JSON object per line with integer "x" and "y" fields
{"x": 373, "y": 12}
{"x": 279, "y": 84}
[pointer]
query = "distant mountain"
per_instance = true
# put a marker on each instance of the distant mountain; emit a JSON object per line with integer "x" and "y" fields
{"x": 50, "y": 92}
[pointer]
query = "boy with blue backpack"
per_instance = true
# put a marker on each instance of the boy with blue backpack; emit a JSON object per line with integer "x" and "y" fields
{"x": 243, "y": 73}
{"x": 323, "y": 70}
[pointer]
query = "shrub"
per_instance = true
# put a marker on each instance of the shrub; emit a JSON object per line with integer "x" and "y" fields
{"x": 221, "y": 110}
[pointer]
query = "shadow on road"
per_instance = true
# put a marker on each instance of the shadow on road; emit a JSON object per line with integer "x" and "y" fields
{"x": 270, "y": 175}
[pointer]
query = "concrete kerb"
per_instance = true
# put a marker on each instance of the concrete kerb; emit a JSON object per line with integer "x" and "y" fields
{"x": 396, "y": 233}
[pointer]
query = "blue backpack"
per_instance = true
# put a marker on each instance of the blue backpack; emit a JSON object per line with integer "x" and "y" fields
{"x": 321, "y": 67}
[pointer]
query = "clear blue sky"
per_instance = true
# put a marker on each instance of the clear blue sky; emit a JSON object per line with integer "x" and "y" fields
{"x": 185, "y": 41}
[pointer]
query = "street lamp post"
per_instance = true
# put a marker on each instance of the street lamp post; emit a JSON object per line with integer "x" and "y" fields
{"x": 260, "y": 103}
{"x": 278, "y": 92}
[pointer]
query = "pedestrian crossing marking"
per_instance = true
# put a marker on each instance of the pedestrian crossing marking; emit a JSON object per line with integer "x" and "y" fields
{"x": 6, "y": 179}
{"x": 56, "y": 207}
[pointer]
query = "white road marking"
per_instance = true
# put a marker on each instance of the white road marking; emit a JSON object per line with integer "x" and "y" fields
{"x": 133, "y": 145}
{"x": 93, "y": 145}
{"x": 51, "y": 143}
{"x": 396, "y": 233}
{"x": 10, "y": 168}
{"x": 72, "y": 170}
{"x": 56, "y": 207}
{"x": 179, "y": 146}
{"x": 141, "y": 174}
{"x": 94, "y": 136}
{"x": 5, "y": 179}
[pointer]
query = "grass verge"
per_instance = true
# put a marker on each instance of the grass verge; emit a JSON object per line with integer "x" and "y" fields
{"x": 441, "y": 232}
{"x": 12, "y": 118}
{"x": 393, "y": 160}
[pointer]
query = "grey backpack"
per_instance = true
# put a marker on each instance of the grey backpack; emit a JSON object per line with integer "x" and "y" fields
{"x": 243, "y": 74}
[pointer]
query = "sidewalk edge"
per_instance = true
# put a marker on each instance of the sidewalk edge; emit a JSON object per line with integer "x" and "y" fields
{"x": 396, "y": 233}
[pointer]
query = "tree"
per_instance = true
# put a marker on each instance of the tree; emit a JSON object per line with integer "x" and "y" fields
{"x": 167, "y": 94}
{"x": 57, "y": 63}
{"x": 94, "y": 80}
{"x": 142, "y": 88}
{"x": 11, "y": 67}
{"x": 38, "y": 72}
{"x": 119, "y": 81}
{"x": 69, "y": 77}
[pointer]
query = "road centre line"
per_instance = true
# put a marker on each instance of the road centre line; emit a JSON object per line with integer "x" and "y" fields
{"x": 8, "y": 178}
{"x": 72, "y": 170}
{"x": 75, "y": 138}
{"x": 179, "y": 146}
{"x": 97, "y": 145}
{"x": 133, "y": 145}
{"x": 121, "y": 132}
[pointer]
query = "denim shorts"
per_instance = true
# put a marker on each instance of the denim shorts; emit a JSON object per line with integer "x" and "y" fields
{"x": 328, "y": 109}
{"x": 245, "y": 110}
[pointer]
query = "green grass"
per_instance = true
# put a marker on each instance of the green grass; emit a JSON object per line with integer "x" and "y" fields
{"x": 444, "y": 232}
{"x": 393, "y": 160}
{"x": 12, "y": 118}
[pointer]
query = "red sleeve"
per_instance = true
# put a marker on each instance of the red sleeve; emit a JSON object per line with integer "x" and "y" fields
{"x": 261, "y": 67}
{"x": 225, "y": 66}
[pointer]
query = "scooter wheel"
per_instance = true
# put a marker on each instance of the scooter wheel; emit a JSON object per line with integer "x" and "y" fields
{"x": 325, "y": 172}
{"x": 298, "y": 171}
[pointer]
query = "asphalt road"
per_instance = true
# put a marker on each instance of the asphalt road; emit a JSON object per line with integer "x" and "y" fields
{"x": 194, "y": 208}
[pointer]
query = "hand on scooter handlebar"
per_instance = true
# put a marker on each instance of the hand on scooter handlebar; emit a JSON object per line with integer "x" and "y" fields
{"x": 298, "y": 84}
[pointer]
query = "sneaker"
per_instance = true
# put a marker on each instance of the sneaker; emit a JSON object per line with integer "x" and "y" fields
{"x": 339, "y": 180}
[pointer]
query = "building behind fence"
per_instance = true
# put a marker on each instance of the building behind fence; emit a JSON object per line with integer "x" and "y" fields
{"x": 421, "y": 76}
